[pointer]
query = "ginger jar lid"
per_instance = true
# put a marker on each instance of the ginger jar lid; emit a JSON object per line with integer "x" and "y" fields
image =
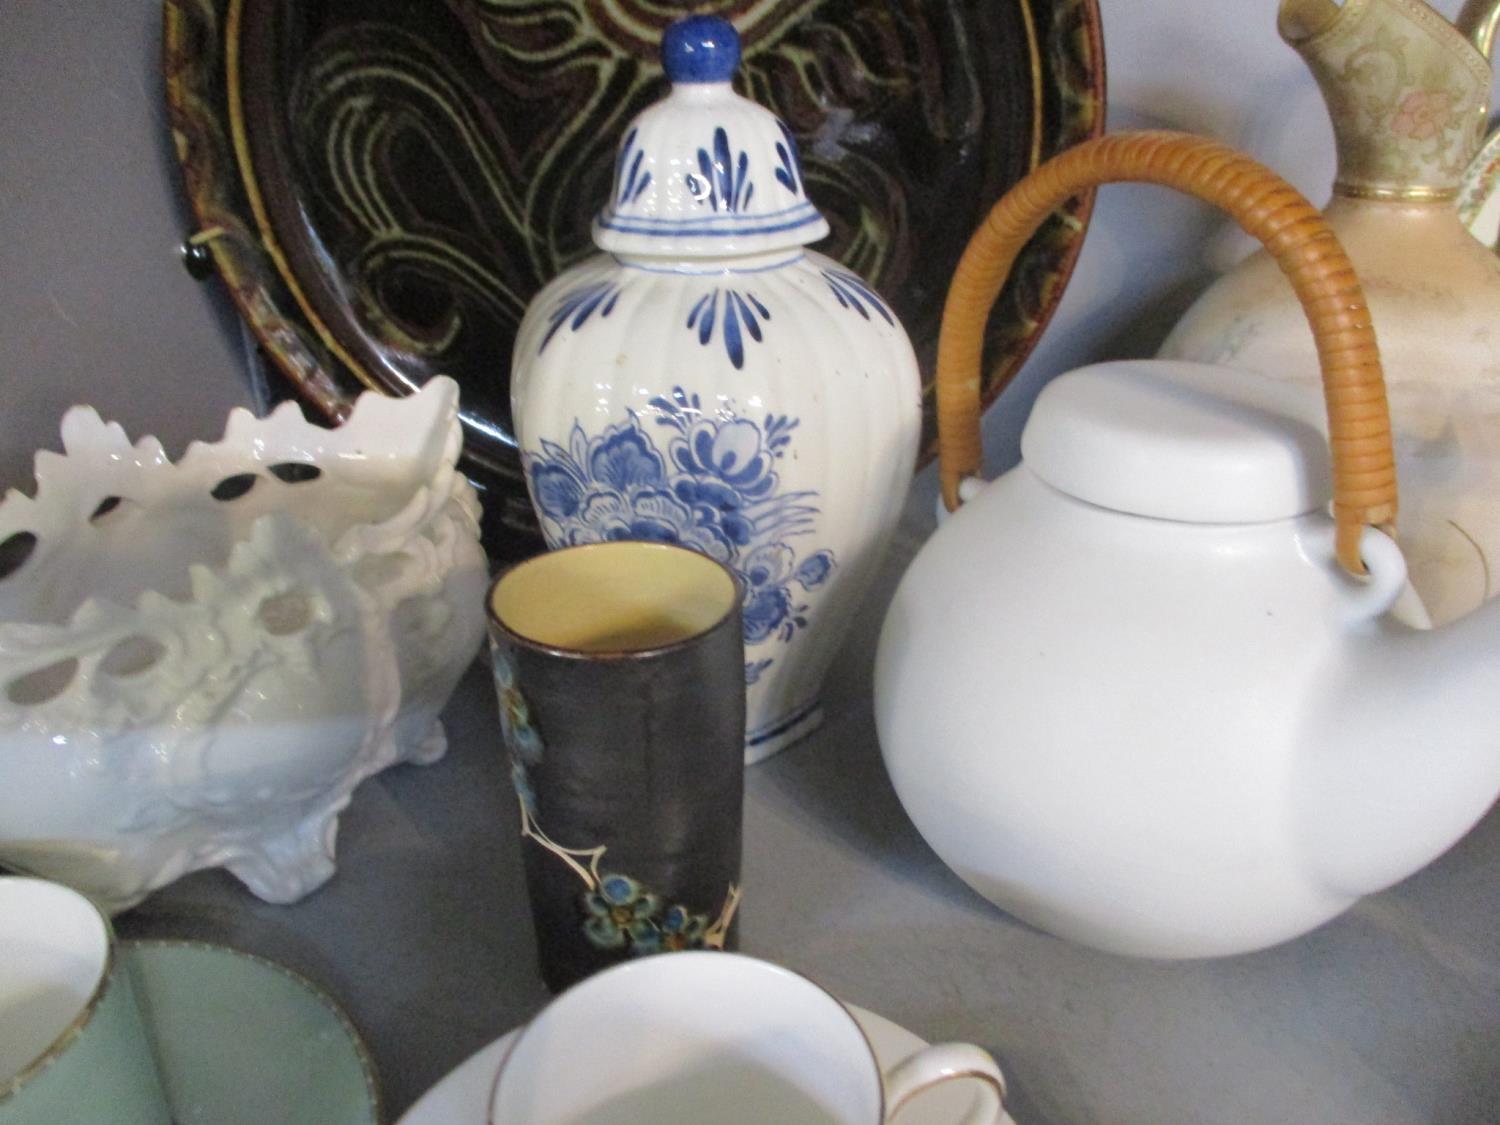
{"x": 705, "y": 173}
{"x": 1181, "y": 441}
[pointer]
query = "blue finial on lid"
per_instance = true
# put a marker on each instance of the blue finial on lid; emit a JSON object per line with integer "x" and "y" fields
{"x": 705, "y": 172}
{"x": 700, "y": 49}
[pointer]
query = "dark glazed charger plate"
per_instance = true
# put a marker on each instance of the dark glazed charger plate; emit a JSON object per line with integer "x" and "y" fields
{"x": 384, "y": 184}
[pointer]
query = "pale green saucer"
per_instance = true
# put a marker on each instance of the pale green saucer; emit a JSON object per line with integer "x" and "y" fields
{"x": 243, "y": 1041}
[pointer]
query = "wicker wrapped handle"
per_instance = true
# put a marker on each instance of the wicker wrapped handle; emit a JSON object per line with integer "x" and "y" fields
{"x": 1267, "y": 207}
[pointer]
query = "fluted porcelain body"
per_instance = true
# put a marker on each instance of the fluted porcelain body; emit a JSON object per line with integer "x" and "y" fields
{"x": 764, "y": 411}
{"x": 709, "y": 381}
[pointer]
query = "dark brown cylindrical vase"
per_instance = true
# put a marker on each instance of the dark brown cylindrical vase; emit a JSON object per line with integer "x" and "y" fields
{"x": 620, "y": 672}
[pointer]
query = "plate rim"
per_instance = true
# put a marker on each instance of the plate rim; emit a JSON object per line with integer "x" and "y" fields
{"x": 356, "y": 1039}
{"x": 305, "y": 351}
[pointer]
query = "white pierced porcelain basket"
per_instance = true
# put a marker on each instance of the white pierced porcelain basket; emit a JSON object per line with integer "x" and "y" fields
{"x": 199, "y": 661}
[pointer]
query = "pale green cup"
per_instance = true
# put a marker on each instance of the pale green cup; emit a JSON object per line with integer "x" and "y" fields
{"x": 73, "y": 1046}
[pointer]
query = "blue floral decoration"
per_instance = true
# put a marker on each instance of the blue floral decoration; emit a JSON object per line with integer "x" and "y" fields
{"x": 852, "y": 293}
{"x": 623, "y": 913}
{"x": 631, "y": 180}
{"x": 734, "y": 313}
{"x": 516, "y": 727}
{"x": 619, "y": 913}
{"x": 680, "y": 929}
{"x": 790, "y": 173}
{"x": 715, "y": 488}
{"x": 724, "y": 180}
{"x": 739, "y": 309}
{"x": 577, "y": 305}
{"x": 753, "y": 670}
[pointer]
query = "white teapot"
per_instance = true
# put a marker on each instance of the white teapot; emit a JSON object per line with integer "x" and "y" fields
{"x": 1128, "y": 692}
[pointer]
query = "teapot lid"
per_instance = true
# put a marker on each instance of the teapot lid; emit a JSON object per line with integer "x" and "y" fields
{"x": 1181, "y": 441}
{"x": 705, "y": 173}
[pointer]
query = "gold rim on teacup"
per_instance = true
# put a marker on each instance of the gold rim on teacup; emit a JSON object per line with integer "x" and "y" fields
{"x": 871, "y": 1057}
{"x": 54, "y": 1050}
{"x": 361, "y": 1049}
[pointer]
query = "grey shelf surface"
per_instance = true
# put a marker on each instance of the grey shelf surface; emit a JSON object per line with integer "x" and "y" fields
{"x": 1390, "y": 1013}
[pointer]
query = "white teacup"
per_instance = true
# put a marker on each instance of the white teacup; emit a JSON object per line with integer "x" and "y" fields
{"x": 73, "y": 1044}
{"x": 715, "y": 1037}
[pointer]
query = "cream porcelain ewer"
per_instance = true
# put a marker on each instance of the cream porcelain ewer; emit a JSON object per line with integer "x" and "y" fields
{"x": 1407, "y": 93}
{"x": 1142, "y": 690}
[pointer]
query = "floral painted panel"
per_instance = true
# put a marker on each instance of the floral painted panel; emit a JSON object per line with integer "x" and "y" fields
{"x": 737, "y": 313}
{"x": 723, "y": 180}
{"x": 616, "y": 911}
{"x": 1406, "y": 93}
{"x": 712, "y": 484}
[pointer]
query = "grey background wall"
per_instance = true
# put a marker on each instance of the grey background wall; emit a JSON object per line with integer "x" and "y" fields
{"x": 94, "y": 304}
{"x": 95, "y": 307}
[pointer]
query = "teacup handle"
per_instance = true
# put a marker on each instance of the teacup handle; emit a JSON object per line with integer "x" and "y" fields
{"x": 944, "y": 1062}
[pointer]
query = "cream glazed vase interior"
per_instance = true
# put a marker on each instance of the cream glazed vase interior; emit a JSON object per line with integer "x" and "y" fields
{"x": 199, "y": 661}
{"x": 708, "y": 381}
{"x": 1407, "y": 92}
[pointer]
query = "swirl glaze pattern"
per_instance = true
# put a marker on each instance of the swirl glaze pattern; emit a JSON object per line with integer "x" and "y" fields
{"x": 417, "y": 171}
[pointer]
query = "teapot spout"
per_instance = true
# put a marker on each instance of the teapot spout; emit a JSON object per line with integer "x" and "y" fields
{"x": 1403, "y": 753}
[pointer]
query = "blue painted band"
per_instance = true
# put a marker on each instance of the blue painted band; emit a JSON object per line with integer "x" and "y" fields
{"x": 805, "y": 207}
{"x": 797, "y": 257}
{"x": 708, "y": 232}
{"x": 781, "y": 726}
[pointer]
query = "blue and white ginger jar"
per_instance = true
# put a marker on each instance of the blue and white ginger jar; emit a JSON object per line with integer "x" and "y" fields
{"x": 705, "y": 380}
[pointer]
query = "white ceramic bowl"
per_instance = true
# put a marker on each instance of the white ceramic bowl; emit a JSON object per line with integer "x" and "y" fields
{"x": 199, "y": 661}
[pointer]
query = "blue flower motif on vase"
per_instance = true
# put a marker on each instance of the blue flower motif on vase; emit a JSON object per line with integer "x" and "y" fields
{"x": 715, "y": 489}
{"x": 628, "y": 173}
{"x": 739, "y": 309}
{"x": 789, "y": 174}
{"x": 576, "y": 306}
{"x": 852, "y": 293}
{"x": 735, "y": 313}
{"x": 723, "y": 181}
{"x": 754, "y": 669}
